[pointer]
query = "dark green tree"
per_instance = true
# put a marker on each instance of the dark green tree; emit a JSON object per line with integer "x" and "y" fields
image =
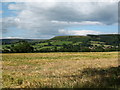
{"x": 49, "y": 44}
{"x": 22, "y": 47}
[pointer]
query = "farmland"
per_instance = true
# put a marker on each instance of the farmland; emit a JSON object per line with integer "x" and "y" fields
{"x": 89, "y": 43}
{"x": 61, "y": 70}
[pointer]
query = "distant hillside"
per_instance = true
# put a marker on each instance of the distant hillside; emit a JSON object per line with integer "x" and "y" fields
{"x": 88, "y": 36}
{"x": 108, "y": 38}
{"x": 112, "y": 39}
{"x": 71, "y": 38}
{"x": 9, "y": 41}
{"x": 89, "y": 43}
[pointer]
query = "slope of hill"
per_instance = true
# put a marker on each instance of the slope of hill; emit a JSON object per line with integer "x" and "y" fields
{"x": 9, "y": 41}
{"x": 107, "y": 38}
{"x": 72, "y": 38}
{"x": 106, "y": 42}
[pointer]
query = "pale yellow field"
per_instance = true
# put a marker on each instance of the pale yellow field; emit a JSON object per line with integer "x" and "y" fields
{"x": 61, "y": 70}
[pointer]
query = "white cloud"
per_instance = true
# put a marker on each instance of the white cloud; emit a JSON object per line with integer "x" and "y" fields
{"x": 46, "y": 19}
{"x": 17, "y": 6}
{"x": 12, "y": 38}
{"x": 79, "y": 32}
{"x": 78, "y": 23}
{"x": 60, "y": 1}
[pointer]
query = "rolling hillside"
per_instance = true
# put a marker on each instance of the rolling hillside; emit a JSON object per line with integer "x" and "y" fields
{"x": 106, "y": 42}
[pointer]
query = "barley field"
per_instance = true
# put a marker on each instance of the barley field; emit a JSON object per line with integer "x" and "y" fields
{"x": 61, "y": 70}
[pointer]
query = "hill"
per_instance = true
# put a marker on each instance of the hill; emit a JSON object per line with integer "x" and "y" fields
{"x": 107, "y": 38}
{"x": 9, "y": 41}
{"x": 105, "y": 42}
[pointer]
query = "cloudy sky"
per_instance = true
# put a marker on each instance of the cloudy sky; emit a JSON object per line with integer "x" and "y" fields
{"x": 49, "y": 19}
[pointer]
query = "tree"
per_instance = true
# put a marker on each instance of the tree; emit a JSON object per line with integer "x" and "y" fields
{"x": 22, "y": 47}
{"x": 49, "y": 44}
{"x": 97, "y": 49}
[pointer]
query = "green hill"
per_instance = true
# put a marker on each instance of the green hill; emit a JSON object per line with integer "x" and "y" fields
{"x": 112, "y": 39}
{"x": 71, "y": 38}
{"x": 105, "y": 42}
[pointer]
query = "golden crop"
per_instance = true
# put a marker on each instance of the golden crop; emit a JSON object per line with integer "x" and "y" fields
{"x": 60, "y": 70}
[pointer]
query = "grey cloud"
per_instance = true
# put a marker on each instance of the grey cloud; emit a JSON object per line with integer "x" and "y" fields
{"x": 38, "y": 17}
{"x": 106, "y": 13}
{"x": 7, "y": 23}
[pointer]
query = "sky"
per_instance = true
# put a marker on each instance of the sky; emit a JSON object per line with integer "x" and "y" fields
{"x": 43, "y": 20}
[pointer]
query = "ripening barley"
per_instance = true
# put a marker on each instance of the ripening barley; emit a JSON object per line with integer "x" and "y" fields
{"x": 60, "y": 70}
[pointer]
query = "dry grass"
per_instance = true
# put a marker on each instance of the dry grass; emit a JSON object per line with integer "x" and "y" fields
{"x": 60, "y": 70}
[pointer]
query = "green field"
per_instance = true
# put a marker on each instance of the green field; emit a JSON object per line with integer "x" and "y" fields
{"x": 61, "y": 70}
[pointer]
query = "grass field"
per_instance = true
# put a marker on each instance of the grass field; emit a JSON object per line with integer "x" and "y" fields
{"x": 61, "y": 70}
